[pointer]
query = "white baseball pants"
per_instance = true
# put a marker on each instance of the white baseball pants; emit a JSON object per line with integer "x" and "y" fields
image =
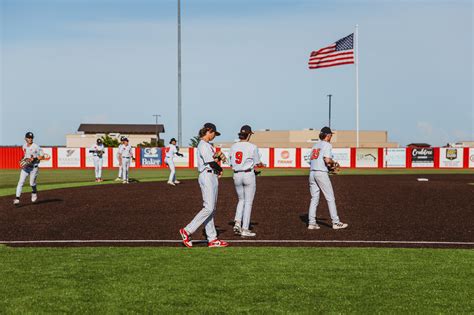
{"x": 245, "y": 186}
{"x": 209, "y": 186}
{"x": 98, "y": 163}
{"x": 25, "y": 172}
{"x": 170, "y": 163}
{"x": 125, "y": 168}
{"x": 319, "y": 181}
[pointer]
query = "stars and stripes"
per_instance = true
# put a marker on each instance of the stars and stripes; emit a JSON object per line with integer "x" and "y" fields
{"x": 339, "y": 53}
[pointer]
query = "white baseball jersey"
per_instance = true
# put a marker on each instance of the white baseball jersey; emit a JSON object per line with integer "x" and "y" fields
{"x": 244, "y": 156}
{"x": 95, "y": 148}
{"x": 126, "y": 151}
{"x": 32, "y": 151}
{"x": 205, "y": 155}
{"x": 171, "y": 150}
{"x": 321, "y": 150}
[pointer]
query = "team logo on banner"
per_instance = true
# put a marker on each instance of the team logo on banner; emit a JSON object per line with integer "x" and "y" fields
{"x": 285, "y": 155}
{"x": 451, "y": 154}
{"x": 70, "y": 152}
{"x": 151, "y": 157}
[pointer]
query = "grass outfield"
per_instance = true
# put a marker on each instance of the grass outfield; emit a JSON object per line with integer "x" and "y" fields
{"x": 232, "y": 280}
{"x": 64, "y": 178}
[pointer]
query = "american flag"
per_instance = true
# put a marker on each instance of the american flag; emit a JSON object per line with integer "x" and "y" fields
{"x": 339, "y": 53}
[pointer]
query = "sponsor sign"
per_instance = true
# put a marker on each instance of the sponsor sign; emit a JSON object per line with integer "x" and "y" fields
{"x": 471, "y": 157}
{"x": 226, "y": 152}
{"x": 451, "y": 157}
{"x": 69, "y": 157}
{"x": 285, "y": 157}
{"x": 264, "y": 156}
{"x": 184, "y": 160}
{"x": 395, "y": 157}
{"x": 48, "y": 158}
{"x": 90, "y": 158}
{"x": 151, "y": 157}
{"x": 367, "y": 157}
{"x": 116, "y": 161}
{"x": 343, "y": 156}
{"x": 422, "y": 157}
{"x": 305, "y": 157}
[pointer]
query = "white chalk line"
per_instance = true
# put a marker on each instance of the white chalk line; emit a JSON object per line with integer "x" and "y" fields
{"x": 240, "y": 241}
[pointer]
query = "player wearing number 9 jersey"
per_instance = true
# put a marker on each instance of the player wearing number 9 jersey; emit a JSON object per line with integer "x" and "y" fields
{"x": 244, "y": 157}
{"x": 321, "y": 155}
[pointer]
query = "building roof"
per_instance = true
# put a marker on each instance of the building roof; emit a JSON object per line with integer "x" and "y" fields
{"x": 419, "y": 145}
{"x": 122, "y": 128}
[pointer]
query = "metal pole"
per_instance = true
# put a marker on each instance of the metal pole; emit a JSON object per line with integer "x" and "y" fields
{"x": 180, "y": 134}
{"x": 329, "y": 96}
{"x": 357, "y": 80}
{"x": 156, "y": 129}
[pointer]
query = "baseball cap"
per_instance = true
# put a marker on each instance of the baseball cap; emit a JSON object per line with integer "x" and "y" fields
{"x": 122, "y": 138}
{"x": 327, "y": 131}
{"x": 212, "y": 127}
{"x": 246, "y": 129}
{"x": 29, "y": 135}
{"x": 172, "y": 139}
{"x": 99, "y": 141}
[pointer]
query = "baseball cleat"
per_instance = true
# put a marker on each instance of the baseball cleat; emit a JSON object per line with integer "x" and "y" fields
{"x": 247, "y": 233}
{"x": 217, "y": 243}
{"x": 118, "y": 179}
{"x": 171, "y": 183}
{"x": 177, "y": 182}
{"x": 34, "y": 197}
{"x": 16, "y": 201}
{"x": 313, "y": 227}
{"x": 186, "y": 239}
{"x": 237, "y": 229}
{"x": 340, "y": 225}
{"x": 125, "y": 182}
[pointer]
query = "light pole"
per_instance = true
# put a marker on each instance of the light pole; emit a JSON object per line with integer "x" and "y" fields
{"x": 180, "y": 135}
{"x": 156, "y": 130}
{"x": 329, "y": 96}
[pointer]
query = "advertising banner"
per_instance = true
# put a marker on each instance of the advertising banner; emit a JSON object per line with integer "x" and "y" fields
{"x": 151, "y": 157}
{"x": 226, "y": 152}
{"x": 305, "y": 157}
{"x": 471, "y": 157}
{"x": 264, "y": 156}
{"x": 184, "y": 160}
{"x": 451, "y": 157}
{"x": 90, "y": 158}
{"x": 116, "y": 162}
{"x": 422, "y": 157}
{"x": 395, "y": 157}
{"x": 285, "y": 157}
{"x": 367, "y": 157}
{"x": 48, "y": 158}
{"x": 343, "y": 156}
{"x": 69, "y": 157}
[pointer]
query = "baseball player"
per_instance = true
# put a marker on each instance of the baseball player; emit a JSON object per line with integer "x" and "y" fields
{"x": 125, "y": 154}
{"x": 171, "y": 151}
{"x": 119, "y": 177}
{"x": 209, "y": 173}
{"x": 244, "y": 157}
{"x": 32, "y": 155}
{"x": 97, "y": 151}
{"x": 321, "y": 157}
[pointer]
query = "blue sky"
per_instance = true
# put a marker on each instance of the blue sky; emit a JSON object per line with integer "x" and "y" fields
{"x": 66, "y": 62}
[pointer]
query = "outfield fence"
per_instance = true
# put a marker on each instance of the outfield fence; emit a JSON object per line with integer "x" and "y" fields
{"x": 81, "y": 158}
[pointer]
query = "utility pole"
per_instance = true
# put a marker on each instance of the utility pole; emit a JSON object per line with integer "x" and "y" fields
{"x": 156, "y": 130}
{"x": 180, "y": 134}
{"x": 329, "y": 96}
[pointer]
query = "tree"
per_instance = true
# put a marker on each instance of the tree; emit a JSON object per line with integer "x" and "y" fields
{"x": 109, "y": 141}
{"x": 194, "y": 141}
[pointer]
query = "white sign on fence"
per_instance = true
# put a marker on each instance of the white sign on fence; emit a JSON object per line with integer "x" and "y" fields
{"x": 285, "y": 157}
{"x": 451, "y": 157}
{"x": 90, "y": 158}
{"x": 395, "y": 157}
{"x": 69, "y": 157}
{"x": 48, "y": 158}
{"x": 367, "y": 157}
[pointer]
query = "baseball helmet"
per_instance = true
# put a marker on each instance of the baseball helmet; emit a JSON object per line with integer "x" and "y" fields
{"x": 29, "y": 135}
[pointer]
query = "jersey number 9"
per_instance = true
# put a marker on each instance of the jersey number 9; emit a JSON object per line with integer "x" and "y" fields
{"x": 315, "y": 154}
{"x": 238, "y": 157}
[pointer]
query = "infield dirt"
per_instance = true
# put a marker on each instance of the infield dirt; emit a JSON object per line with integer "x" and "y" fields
{"x": 377, "y": 208}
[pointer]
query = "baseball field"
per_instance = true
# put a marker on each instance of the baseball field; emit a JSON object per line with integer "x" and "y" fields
{"x": 100, "y": 248}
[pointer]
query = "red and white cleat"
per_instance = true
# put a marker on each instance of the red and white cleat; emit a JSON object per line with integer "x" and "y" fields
{"x": 217, "y": 243}
{"x": 186, "y": 239}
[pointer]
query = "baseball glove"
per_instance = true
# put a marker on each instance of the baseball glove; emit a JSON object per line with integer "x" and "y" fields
{"x": 334, "y": 168}
{"x": 26, "y": 162}
{"x": 100, "y": 153}
{"x": 220, "y": 156}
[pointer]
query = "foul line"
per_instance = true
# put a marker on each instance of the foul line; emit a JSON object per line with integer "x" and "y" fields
{"x": 240, "y": 241}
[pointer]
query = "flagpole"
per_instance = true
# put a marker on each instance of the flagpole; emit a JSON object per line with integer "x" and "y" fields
{"x": 357, "y": 81}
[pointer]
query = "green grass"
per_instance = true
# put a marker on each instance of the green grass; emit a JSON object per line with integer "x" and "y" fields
{"x": 64, "y": 178}
{"x": 235, "y": 280}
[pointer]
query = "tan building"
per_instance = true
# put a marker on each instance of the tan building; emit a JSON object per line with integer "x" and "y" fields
{"x": 87, "y": 134}
{"x": 306, "y": 139}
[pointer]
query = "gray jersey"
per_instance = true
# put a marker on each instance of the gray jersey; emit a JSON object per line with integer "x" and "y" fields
{"x": 205, "y": 155}
{"x": 244, "y": 156}
{"x": 320, "y": 150}
{"x": 33, "y": 151}
{"x": 171, "y": 150}
{"x": 96, "y": 148}
{"x": 126, "y": 151}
